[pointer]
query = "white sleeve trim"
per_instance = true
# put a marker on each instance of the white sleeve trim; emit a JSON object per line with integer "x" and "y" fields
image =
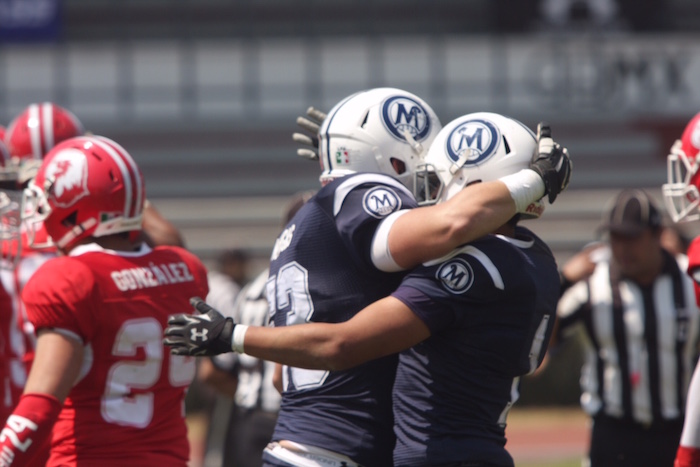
{"x": 381, "y": 254}
{"x": 68, "y": 334}
{"x": 480, "y": 256}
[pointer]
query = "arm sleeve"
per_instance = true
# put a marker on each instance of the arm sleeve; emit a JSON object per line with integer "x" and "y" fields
{"x": 381, "y": 254}
{"x": 61, "y": 294}
{"x": 28, "y": 428}
{"x": 363, "y": 208}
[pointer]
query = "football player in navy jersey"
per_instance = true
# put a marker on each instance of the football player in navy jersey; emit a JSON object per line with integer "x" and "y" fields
{"x": 344, "y": 250}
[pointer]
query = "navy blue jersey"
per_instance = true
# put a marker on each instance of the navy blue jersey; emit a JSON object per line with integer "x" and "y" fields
{"x": 321, "y": 271}
{"x": 490, "y": 307}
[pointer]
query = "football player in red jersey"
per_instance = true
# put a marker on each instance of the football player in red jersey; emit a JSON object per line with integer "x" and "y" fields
{"x": 682, "y": 198}
{"x": 30, "y": 136}
{"x": 10, "y": 365}
{"x": 101, "y": 385}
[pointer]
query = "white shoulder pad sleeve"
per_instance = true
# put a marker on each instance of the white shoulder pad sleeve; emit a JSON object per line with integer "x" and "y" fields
{"x": 381, "y": 255}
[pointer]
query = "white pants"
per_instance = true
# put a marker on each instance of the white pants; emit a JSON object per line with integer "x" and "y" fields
{"x": 302, "y": 455}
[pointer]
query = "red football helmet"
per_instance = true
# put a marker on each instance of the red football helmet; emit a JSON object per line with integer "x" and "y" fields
{"x": 681, "y": 192}
{"x": 35, "y": 131}
{"x": 87, "y": 186}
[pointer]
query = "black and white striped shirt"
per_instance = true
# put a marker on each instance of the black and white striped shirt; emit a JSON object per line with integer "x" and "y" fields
{"x": 640, "y": 342}
{"x": 255, "y": 389}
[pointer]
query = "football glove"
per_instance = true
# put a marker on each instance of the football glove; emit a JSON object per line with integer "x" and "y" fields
{"x": 311, "y": 124}
{"x": 197, "y": 335}
{"x": 551, "y": 162}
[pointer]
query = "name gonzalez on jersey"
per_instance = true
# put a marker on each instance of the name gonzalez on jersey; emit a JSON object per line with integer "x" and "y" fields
{"x": 152, "y": 276}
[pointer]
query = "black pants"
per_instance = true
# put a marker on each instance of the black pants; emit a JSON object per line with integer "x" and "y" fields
{"x": 247, "y": 435}
{"x": 616, "y": 443}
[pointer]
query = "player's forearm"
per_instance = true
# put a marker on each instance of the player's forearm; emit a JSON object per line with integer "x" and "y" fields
{"x": 316, "y": 346}
{"x": 28, "y": 428}
{"x": 430, "y": 233}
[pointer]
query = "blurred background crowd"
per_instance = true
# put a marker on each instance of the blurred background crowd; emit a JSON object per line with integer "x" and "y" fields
{"x": 204, "y": 95}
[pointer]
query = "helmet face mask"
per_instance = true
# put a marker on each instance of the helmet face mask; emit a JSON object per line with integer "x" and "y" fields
{"x": 428, "y": 186}
{"x": 481, "y": 146}
{"x": 382, "y": 130}
{"x": 681, "y": 192}
{"x": 10, "y": 228}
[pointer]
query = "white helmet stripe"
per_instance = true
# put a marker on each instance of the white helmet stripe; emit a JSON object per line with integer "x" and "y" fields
{"x": 128, "y": 181}
{"x": 135, "y": 176}
{"x": 34, "y": 131}
{"x": 47, "y": 126}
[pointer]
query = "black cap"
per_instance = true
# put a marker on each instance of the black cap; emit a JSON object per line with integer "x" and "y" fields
{"x": 632, "y": 212}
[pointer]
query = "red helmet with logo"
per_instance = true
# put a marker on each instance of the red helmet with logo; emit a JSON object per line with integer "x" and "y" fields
{"x": 87, "y": 186}
{"x": 35, "y": 131}
{"x": 682, "y": 190}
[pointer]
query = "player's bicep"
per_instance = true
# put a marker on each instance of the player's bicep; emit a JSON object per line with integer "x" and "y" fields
{"x": 57, "y": 363}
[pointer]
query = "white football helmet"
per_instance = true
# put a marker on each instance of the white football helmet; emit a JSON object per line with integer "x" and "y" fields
{"x": 480, "y": 146}
{"x": 383, "y": 130}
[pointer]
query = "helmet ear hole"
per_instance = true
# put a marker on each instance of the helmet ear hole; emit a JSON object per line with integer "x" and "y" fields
{"x": 398, "y": 165}
{"x": 506, "y": 146}
{"x": 70, "y": 220}
{"x": 364, "y": 120}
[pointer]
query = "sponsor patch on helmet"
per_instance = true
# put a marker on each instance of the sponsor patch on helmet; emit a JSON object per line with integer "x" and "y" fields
{"x": 477, "y": 138}
{"x": 401, "y": 113}
{"x": 381, "y": 201}
{"x": 67, "y": 172}
{"x": 456, "y": 275}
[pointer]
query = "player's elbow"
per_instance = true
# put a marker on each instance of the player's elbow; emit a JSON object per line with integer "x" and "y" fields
{"x": 339, "y": 355}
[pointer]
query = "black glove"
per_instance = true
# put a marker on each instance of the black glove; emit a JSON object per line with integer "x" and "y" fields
{"x": 208, "y": 333}
{"x": 311, "y": 124}
{"x": 551, "y": 162}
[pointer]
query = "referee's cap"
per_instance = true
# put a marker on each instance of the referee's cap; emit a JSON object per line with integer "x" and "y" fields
{"x": 630, "y": 213}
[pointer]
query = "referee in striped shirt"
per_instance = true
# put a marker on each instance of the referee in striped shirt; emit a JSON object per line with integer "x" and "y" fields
{"x": 639, "y": 323}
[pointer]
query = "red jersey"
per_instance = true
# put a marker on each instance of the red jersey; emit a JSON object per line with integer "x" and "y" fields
{"x": 694, "y": 266}
{"x": 127, "y": 407}
{"x": 18, "y": 333}
{"x": 9, "y": 393}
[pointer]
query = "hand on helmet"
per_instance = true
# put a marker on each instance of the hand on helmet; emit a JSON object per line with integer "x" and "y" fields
{"x": 311, "y": 124}
{"x": 206, "y": 333}
{"x": 551, "y": 162}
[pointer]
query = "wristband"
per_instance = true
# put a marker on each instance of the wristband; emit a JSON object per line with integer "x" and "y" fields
{"x": 238, "y": 338}
{"x": 525, "y": 188}
{"x": 28, "y": 428}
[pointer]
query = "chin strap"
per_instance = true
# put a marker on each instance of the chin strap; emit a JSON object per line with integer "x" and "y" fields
{"x": 415, "y": 145}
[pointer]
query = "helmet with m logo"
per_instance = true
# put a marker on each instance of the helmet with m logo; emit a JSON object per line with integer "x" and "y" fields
{"x": 384, "y": 130}
{"x": 480, "y": 146}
